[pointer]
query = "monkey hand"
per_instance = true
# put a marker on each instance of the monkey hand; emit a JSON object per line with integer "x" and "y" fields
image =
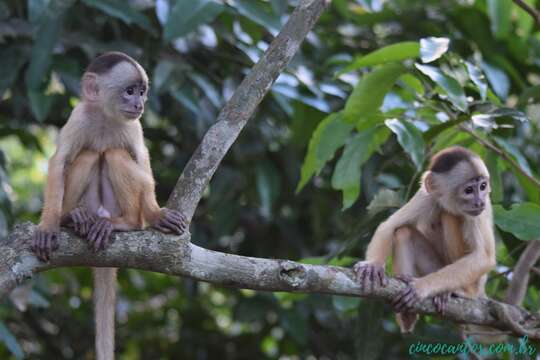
{"x": 408, "y": 297}
{"x": 81, "y": 220}
{"x": 370, "y": 272}
{"x": 44, "y": 242}
{"x": 171, "y": 221}
{"x": 99, "y": 235}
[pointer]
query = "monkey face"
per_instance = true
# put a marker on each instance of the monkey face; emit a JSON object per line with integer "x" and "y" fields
{"x": 132, "y": 99}
{"x": 472, "y": 195}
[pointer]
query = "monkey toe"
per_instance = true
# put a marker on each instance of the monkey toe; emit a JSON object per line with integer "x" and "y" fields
{"x": 100, "y": 234}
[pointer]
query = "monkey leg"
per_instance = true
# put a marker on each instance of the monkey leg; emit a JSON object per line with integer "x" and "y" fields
{"x": 413, "y": 256}
{"x": 78, "y": 176}
{"x": 129, "y": 179}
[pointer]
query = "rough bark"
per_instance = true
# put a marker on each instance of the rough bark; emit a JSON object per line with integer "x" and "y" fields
{"x": 151, "y": 251}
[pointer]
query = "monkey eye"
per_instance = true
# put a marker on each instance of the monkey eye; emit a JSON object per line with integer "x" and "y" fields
{"x": 483, "y": 186}
{"x": 469, "y": 190}
{"x": 129, "y": 90}
{"x": 142, "y": 92}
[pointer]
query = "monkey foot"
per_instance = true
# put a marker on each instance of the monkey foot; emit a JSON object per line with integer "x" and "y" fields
{"x": 171, "y": 221}
{"x": 99, "y": 235}
{"x": 408, "y": 297}
{"x": 368, "y": 272}
{"x": 44, "y": 243}
{"x": 81, "y": 220}
{"x": 441, "y": 300}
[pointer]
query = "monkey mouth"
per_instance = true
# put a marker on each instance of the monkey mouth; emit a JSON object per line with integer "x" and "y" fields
{"x": 475, "y": 212}
{"x": 132, "y": 114}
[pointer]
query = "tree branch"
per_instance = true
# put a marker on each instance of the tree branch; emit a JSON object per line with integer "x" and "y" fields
{"x": 531, "y": 10}
{"x": 520, "y": 276}
{"x": 152, "y": 251}
{"x": 239, "y": 109}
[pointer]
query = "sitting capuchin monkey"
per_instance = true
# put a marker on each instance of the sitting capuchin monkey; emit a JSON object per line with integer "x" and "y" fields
{"x": 442, "y": 240}
{"x": 100, "y": 179}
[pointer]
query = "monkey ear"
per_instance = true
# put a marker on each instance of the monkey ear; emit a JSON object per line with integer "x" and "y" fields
{"x": 90, "y": 87}
{"x": 429, "y": 182}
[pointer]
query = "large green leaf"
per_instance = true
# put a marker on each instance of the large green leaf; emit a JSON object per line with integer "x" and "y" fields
{"x": 410, "y": 138}
{"x": 499, "y": 81}
{"x": 522, "y": 220}
{"x": 254, "y": 11}
{"x": 391, "y": 53}
{"x": 347, "y": 173}
{"x": 368, "y": 95}
{"x": 432, "y": 48}
{"x": 41, "y": 57}
{"x": 187, "y": 15}
{"x": 330, "y": 134}
{"x": 500, "y": 12}
{"x": 451, "y": 87}
{"x": 122, "y": 11}
{"x": 478, "y": 78}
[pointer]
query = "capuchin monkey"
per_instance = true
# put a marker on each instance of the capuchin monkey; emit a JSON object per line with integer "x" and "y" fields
{"x": 100, "y": 179}
{"x": 442, "y": 240}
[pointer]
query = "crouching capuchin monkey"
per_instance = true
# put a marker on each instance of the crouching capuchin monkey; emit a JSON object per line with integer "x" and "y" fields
{"x": 100, "y": 179}
{"x": 442, "y": 240}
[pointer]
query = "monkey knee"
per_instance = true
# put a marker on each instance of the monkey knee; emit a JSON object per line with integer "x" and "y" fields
{"x": 403, "y": 233}
{"x": 116, "y": 156}
{"x": 88, "y": 156}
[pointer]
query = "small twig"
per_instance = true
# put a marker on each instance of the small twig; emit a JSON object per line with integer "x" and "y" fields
{"x": 535, "y": 14}
{"x": 502, "y": 154}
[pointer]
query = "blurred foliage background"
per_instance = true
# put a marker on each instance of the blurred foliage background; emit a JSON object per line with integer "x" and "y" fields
{"x": 338, "y": 144}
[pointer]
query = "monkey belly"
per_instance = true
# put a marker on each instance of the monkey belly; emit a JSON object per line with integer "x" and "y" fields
{"x": 99, "y": 197}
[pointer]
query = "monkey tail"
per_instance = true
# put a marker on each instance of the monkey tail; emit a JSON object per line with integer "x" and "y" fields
{"x": 104, "y": 308}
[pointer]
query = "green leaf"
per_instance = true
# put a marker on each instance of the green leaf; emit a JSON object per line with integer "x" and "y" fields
{"x": 478, "y": 78}
{"x": 499, "y": 81}
{"x": 122, "y": 11}
{"x": 495, "y": 169}
{"x": 410, "y": 138}
{"x": 384, "y": 199}
{"x": 187, "y": 15}
{"x": 449, "y": 85}
{"x": 410, "y": 81}
{"x": 40, "y": 104}
{"x": 345, "y": 303}
{"x": 258, "y": 14}
{"x": 368, "y": 95}
{"x": 330, "y": 134}
{"x": 11, "y": 343}
{"x": 522, "y": 220}
{"x": 500, "y": 12}
{"x": 12, "y": 58}
{"x": 391, "y": 53}
{"x": 268, "y": 186}
{"x": 41, "y": 56}
{"x": 347, "y": 173}
{"x": 432, "y": 48}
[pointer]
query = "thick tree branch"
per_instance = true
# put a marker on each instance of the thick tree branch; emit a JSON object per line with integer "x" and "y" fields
{"x": 520, "y": 276}
{"x": 152, "y": 251}
{"x": 239, "y": 109}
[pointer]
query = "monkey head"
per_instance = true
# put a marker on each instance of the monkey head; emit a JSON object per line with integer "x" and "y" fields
{"x": 118, "y": 84}
{"x": 459, "y": 180}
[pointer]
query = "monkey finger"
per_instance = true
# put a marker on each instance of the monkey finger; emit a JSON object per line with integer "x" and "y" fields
{"x": 383, "y": 281}
{"x": 401, "y": 302}
{"x": 172, "y": 226}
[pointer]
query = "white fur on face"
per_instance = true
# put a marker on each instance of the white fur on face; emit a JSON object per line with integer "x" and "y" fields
{"x": 448, "y": 184}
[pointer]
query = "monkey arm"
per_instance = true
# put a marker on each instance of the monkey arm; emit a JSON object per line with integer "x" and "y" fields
{"x": 381, "y": 244}
{"x": 465, "y": 270}
{"x": 54, "y": 194}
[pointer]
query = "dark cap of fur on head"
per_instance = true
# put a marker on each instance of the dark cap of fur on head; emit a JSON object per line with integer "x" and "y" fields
{"x": 446, "y": 159}
{"x": 107, "y": 61}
